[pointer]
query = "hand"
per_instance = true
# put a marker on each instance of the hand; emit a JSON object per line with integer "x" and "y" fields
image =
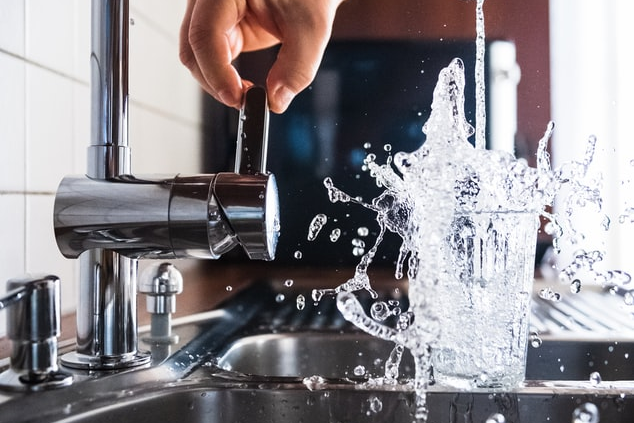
{"x": 215, "y": 32}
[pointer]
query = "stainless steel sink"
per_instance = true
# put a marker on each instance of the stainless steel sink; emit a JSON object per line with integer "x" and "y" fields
{"x": 303, "y": 354}
{"x": 339, "y": 404}
{"x": 257, "y": 359}
{"x": 337, "y": 355}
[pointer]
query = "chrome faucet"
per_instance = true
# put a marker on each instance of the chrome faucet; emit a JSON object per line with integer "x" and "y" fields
{"x": 109, "y": 218}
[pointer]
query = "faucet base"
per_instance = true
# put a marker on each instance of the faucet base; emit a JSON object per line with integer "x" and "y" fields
{"x": 75, "y": 360}
{"x": 12, "y": 380}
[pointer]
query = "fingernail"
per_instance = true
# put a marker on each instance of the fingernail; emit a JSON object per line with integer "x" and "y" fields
{"x": 283, "y": 97}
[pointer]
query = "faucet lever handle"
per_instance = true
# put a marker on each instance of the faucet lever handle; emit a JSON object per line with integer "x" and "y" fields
{"x": 253, "y": 133}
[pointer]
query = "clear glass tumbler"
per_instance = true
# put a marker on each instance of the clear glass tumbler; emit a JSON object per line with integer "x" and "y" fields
{"x": 482, "y": 300}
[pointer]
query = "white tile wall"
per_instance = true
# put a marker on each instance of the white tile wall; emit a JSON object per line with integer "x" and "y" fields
{"x": 12, "y": 239}
{"x": 12, "y": 124}
{"x": 12, "y": 26}
{"x": 49, "y": 33}
{"x": 49, "y": 129}
{"x": 45, "y": 118}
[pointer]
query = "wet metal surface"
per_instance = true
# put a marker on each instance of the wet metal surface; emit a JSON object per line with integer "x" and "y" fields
{"x": 248, "y": 362}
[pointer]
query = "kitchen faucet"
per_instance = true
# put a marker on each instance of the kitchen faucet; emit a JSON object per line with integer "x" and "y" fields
{"x": 110, "y": 218}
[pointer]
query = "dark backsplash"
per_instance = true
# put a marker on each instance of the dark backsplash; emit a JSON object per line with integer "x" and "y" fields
{"x": 376, "y": 92}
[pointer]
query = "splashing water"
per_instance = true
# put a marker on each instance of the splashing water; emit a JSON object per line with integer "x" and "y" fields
{"x": 376, "y": 405}
{"x": 595, "y": 378}
{"x": 300, "y": 302}
{"x": 315, "y": 226}
{"x": 586, "y": 413}
{"x": 359, "y": 370}
{"x": 549, "y": 295}
{"x": 535, "y": 340}
{"x": 496, "y": 418}
{"x": 480, "y": 141}
{"x": 437, "y": 199}
{"x": 438, "y": 176}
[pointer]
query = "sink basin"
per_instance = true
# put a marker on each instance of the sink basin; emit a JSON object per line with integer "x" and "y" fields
{"x": 303, "y": 354}
{"x": 200, "y": 404}
{"x": 257, "y": 359}
{"x": 210, "y": 397}
{"x": 336, "y": 355}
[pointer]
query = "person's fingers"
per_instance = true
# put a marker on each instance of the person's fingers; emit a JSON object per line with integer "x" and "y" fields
{"x": 186, "y": 55}
{"x": 209, "y": 43}
{"x": 299, "y": 57}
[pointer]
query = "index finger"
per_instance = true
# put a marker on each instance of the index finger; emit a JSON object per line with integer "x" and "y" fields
{"x": 215, "y": 41}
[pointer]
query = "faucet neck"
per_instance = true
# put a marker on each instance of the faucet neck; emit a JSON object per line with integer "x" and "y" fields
{"x": 109, "y": 155}
{"x": 106, "y": 310}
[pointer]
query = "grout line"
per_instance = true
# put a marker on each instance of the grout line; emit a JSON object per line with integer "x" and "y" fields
{"x": 44, "y": 67}
{"x": 25, "y": 193}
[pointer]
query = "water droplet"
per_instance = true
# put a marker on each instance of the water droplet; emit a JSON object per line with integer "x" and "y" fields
{"x": 356, "y": 242}
{"x": 387, "y": 147}
{"x": 314, "y": 382}
{"x": 288, "y": 283}
{"x": 375, "y": 404}
{"x": 279, "y": 298}
{"x": 229, "y": 288}
{"x": 605, "y": 223}
{"x": 359, "y": 370}
{"x": 300, "y": 302}
{"x": 586, "y": 413}
{"x": 363, "y": 231}
{"x": 404, "y": 320}
{"x": 335, "y": 234}
{"x": 298, "y": 255}
{"x": 315, "y": 226}
{"x": 380, "y": 311}
{"x": 575, "y": 286}
{"x": 496, "y": 418}
{"x": 317, "y": 295}
{"x": 483, "y": 378}
{"x": 358, "y": 251}
{"x": 367, "y": 145}
{"x": 549, "y": 295}
{"x": 535, "y": 340}
{"x": 595, "y": 378}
